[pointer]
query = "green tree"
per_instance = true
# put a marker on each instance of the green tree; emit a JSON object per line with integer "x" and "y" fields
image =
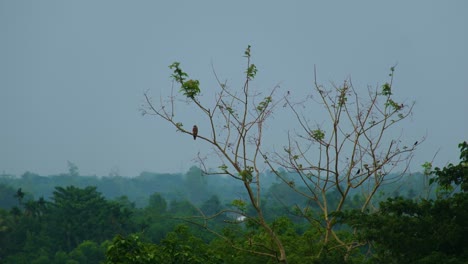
{"x": 157, "y": 204}
{"x": 454, "y": 175}
{"x": 19, "y": 195}
{"x": 83, "y": 214}
{"x": 88, "y": 252}
{"x": 424, "y": 231}
{"x": 60, "y": 257}
{"x": 23, "y": 235}
{"x": 211, "y": 206}
{"x": 182, "y": 208}
{"x": 196, "y": 186}
{"x": 181, "y": 246}
{"x": 131, "y": 250}
{"x": 155, "y": 219}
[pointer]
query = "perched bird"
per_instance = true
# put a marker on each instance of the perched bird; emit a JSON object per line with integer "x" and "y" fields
{"x": 195, "y": 132}
{"x": 415, "y": 143}
{"x": 358, "y": 171}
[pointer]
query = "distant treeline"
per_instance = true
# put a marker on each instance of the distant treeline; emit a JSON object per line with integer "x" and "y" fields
{"x": 155, "y": 218}
{"x": 193, "y": 186}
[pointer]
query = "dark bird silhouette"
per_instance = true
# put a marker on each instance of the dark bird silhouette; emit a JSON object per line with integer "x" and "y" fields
{"x": 358, "y": 171}
{"x": 195, "y": 132}
{"x": 415, "y": 143}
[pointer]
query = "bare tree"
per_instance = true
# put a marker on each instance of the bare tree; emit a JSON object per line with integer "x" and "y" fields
{"x": 355, "y": 149}
{"x": 236, "y": 119}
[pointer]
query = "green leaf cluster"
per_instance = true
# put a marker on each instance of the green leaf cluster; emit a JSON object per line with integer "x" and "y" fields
{"x": 246, "y": 174}
{"x": 386, "y": 89}
{"x": 251, "y": 71}
{"x": 239, "y": 204}
{"x": 264, "y": 104}
{"x": 189, "y": 88}
{"x": 454, "y": 174}
{"x": 317, "y": 134}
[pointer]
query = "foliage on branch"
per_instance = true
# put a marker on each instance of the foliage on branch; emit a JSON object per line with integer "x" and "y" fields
{"x": 454, "y": 174}
{"x": 189, "y": 88}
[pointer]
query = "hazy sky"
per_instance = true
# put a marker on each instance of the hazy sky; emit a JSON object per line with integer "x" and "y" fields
{"x": 73, "y": 73}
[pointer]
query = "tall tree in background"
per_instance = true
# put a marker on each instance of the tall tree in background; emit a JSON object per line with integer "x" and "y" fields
{"x": 73, "y": 169}
{"x": 83, "y": 214}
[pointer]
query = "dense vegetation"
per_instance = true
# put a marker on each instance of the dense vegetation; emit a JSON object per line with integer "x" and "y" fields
{"x": 93, "y": 220}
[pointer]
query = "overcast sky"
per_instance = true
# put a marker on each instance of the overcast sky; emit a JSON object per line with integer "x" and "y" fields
{"x": 73, "y": 73}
